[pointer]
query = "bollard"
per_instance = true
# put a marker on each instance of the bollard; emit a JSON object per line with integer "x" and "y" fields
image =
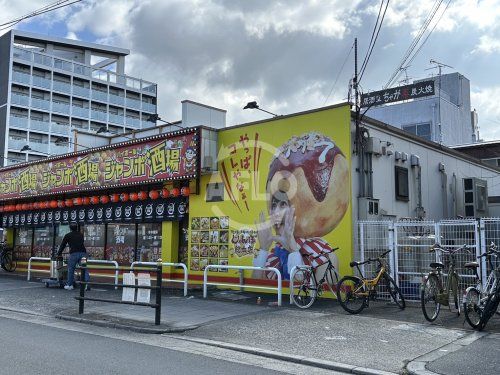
{"x": 159, "y": 275}
{"x": 83, "y": 267}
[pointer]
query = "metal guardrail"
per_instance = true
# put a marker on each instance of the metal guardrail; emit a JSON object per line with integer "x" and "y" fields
{"x": 241, "y": 285}
{"x": 39, "y": 259}
{"x": 157, "y": 288}
{"x": 292, "y": 274}
{"x": 115, "y": 263}
{"x": 168, "y": 264}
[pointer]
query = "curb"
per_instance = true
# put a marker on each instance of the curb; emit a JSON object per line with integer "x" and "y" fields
{"x": 418, "y": 365}
{"x": 103, "y": 323}
{"x": 308, "y": 361}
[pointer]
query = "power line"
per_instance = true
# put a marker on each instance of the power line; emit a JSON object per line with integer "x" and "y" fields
{"x": 45, "y": 9}
{"x": 338, "y": 74}
{"x": 373, "y": 32}
{"x": 369, "y": 53}
{"x": 414, "y": 43}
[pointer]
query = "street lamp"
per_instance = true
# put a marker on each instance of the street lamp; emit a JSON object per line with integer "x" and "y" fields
{"x": 254, "y": 105}
{"x": 28, "y": 148}
{"x": 155, "y": 118}
{"x": 60, "y": 141}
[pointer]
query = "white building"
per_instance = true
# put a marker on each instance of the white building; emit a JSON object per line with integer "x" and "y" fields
{"x": 444, "y": 117}
{"x": 50, "y": 86}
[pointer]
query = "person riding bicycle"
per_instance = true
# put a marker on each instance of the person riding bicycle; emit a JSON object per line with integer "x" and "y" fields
{"x": 74, "y": 239}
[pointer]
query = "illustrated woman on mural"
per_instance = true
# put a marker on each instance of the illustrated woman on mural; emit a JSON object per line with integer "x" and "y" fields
{"x": 307, "y": 196}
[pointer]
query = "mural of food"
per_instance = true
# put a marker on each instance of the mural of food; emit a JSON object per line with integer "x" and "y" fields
{"x": 308, "y": 193}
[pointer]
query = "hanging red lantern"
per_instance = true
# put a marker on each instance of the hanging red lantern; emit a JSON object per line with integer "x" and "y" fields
{"x": 114, "y": 198}
{"x": 185, "y": 191}
{"x": 78, "y": 201}
{"x": 94, "y": 199}
{"x": 104, "y": 199}
{"x": 2, "y": 209}
{"x": 124, "y": 197}
{"x": 24, "y": 206}
{"x": 164, "y": 193}
{"x": 86, "y": 200}
{"x": 53, "y": 204}
{"x": 36, "y": 205}
{"x": 133, "y": 197}
{"x": 154, "y": 194}
{"x": 69, "y": 202}
{"x": 19, "y": 207}
{"x": 142, "y": 195}
{"x": 30, "y": 206}
{"x": 60, "y": 204}
{"x": 46, "y": 204}
{"x": 175, "y": 192}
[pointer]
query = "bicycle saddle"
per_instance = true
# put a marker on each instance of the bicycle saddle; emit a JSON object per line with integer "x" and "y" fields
{"x": 437, "y": 265}
{"x": 471, "y": 265}
{"x": 354, "y": 264}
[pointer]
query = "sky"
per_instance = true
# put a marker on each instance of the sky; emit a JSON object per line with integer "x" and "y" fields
{"x": 289, "y": 55}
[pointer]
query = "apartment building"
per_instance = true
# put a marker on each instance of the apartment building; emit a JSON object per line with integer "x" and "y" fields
{"x": 50, "y": 86}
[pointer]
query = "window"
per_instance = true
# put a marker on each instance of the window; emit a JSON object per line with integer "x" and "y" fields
{"x": 149, "y": 242}
{"x": 22, "y": 243}
{"x": 95, "y": 240}
{"x": 422, "y": 130}
{"x": 120, "y": 243}
{"x": 402, "y": 191}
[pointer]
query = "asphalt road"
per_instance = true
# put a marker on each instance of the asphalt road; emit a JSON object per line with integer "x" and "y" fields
{"x": 37, "y": 349}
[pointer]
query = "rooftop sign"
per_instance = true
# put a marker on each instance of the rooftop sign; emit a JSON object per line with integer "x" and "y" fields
{"x": 171, "y": 156}
{"x": 397, "y": 94}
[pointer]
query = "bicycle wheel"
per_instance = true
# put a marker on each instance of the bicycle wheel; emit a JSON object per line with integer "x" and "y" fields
{"x": 395, "y": 292}
{"x": 472, "y": 308}
{"x": 455, "y": 292}
{"x": 428, "y": 295}
{"x": 351, "y": 293}
{"x": 9, "y": 263}
{"x": 490, "y": 308}
{"x": 304, "y": 288}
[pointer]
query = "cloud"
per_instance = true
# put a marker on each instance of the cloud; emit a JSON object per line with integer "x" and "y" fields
{"x": 489, "y": 116}
{"x": 487, "y": 44}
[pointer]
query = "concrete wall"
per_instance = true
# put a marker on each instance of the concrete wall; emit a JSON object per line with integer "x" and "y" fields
{"x": 437, "y": 187}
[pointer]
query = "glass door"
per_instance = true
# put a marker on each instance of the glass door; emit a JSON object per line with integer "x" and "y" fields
{"x": 43, "y": 242}
{"x": 120, "y": 243}
{"x": 95, "y": 240}
{"x": 148, "y": 242}
{"x": 22, "y": 243}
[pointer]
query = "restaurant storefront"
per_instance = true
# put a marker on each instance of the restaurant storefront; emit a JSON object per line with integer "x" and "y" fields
{"x": 130, "y": 199}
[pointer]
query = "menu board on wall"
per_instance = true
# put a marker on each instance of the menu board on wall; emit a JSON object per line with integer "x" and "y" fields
{"x": 209, "y": 242}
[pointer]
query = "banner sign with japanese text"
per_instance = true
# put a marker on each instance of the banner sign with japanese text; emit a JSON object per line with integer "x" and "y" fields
{"x": 397, "y": 94}
{"x": 148, "y": 211}
{"x": 157, "y": 158}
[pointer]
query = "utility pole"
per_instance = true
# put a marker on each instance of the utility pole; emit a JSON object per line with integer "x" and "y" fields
{"x": 359, "y": 148}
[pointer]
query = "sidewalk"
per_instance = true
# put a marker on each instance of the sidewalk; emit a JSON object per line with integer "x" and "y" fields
{"x": 382, "y": 338}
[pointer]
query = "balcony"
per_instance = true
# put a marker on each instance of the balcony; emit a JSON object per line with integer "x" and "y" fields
{"x": 100, "y": 95}
{"x": 39, "y": 125}
{"x": 147, "y": 124}
{"x": 43, "y": 60}
{"x": 40, "y": 104}
{"x": 59, "y": 129}
{"x": 133, "y": 121}
{"x": 20, "y": 77}
{"x": 133, "y": 103}
{"x": 148, "y": 107}
{"x": 98, "y": 115}
{"x": 39, "y": 147}
{"x": 116, "y": 119}
{"x": 18, "y": 122}
{"x": 59, "y": 149}
{"x": 41, "y": 82}
{"x": 80, "y": 112}
{"x": 81, "y": 91}
{"x": 17, "y": 144}
{"x": 20, "y": 99}
{"x": 81, "y": 69}
{"x": 116, "y": 99}
{"x": 59, "y": 107}
{"x": 63, "y": 65}
{"x": 21, "y": 54}
{"x": 62, "y": 87}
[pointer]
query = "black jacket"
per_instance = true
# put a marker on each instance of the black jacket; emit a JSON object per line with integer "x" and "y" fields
{"x": 75, "y": 241}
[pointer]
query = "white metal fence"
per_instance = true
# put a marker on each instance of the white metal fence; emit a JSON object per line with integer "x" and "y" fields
{"x": 411, "y": 240}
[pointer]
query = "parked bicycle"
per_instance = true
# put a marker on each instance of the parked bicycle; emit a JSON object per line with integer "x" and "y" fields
{"x": 435, "y": 292}
{"x": 354, "y": 292}
{"x": 7, "y": 259}
{"x": 481, "y": 301}
{"x": 306, "y": 287}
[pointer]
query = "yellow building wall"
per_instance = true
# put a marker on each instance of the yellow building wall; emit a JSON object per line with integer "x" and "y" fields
{"x": 244, "y": 158}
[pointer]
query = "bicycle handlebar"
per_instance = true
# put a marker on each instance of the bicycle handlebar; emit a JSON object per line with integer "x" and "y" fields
{"x": 449, "y": 251}
{"x": 377, "y": 259}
